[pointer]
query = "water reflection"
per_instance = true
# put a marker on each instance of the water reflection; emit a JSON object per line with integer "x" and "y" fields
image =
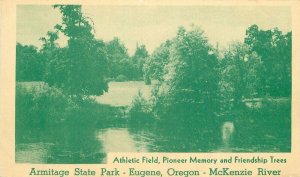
{"x": 90, "y": 146}
{"x": 33, "y": 152}
{"x": 81, "y": 146}
{"x": 60, "y": 145}
{"x": 120, "y": 140}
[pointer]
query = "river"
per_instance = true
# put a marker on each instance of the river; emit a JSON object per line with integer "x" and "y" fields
{"x": 69, "y": 145}
{"x": 85, "y": 147}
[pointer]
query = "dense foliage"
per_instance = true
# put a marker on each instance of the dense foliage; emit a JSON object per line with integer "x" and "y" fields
{"x": 275, "y": 50}
{"x": 240, "y": 77}
{"x": 29, "y": 63}
{"x": 195, "y": 86}
{"x": 191, "y": 74}
{"x": 123, "y": 67}
{"x": 191, "y": 79}
{"x": 86, "y": 64}
{"x": 84, "y": 61}
{"x": 138, "y": 60}
{"x": 154, "y": 64}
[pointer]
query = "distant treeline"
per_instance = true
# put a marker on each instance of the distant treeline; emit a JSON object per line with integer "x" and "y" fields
{"x": 32, "y": 63}
{"x": 85, "y": 65}
{"x": 257, "y": 67}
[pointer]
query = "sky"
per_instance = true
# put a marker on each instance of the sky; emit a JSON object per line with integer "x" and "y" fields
{"x": 152, "y": 25}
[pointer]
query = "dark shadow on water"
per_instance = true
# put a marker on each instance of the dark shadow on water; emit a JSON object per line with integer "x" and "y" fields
{"x": 61, "y": 145}
{"x": 255, "y": 130}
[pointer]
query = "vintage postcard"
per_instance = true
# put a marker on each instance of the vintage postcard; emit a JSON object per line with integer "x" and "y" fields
{"x": 149, "y": 88}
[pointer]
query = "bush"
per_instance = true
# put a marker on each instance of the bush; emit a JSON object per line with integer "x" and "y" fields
{"x": 140, "y": 110}
{"x": 121, "y": 78}
{"x": 147, "y": 80}
{"x": 43, "y": 108}
{"x": 268, "y": 126}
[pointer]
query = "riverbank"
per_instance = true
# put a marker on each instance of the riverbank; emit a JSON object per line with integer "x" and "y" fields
{"x": 40, "y": 108}
{"x": 53, "y": 128}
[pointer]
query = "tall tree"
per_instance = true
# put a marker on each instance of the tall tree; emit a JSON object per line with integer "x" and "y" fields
{"x": 274, "y": 48}
{"x": 83, "y": 63}
{"x": 118, "y": 60}
{"x": 155, "y": 63}
{"x": 240, "y": 72}
{"x": 138, "y": 60}
{"x": 191, "y": 79}
{"x": 55, "y": 60}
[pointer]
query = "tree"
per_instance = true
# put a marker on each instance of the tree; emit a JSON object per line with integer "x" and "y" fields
{"x": 29, "y": 64}
{"x": 118, "y": 60}
{"x": 274, "y": 48}
{"x": 155, "y": 63}
{"x": 138, "y": 60}
{"x": 190, "y": 80}
{"x": 55, "y": 60}
{"x": 240, "y": 72}
{"x": 81, "y": 67}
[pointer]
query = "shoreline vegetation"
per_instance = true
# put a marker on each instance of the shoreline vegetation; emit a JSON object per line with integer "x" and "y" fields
{"x": 186, "y": 96}
{"x": 42, "y": 110}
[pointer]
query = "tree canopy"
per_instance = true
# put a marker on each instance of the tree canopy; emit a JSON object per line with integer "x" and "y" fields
{"x": 138, "y": 60}
{"x": 275, "y": 50}
{"x": 187, "y": 64}
{"x": 81, "y": 67}
{"x": 190, "y": 79}
{"x": 240, "y": 76}
{"x": 29, "y": 64}
{"x": 154, "y": 64}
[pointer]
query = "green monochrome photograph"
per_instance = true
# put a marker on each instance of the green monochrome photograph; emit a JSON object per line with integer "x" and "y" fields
{"x": 95, "y": 79}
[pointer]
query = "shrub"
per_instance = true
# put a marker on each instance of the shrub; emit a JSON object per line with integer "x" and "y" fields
{"x": 140, "y": 110}
{"x": 39, "y": 107}
{"x": 121, "y": 78}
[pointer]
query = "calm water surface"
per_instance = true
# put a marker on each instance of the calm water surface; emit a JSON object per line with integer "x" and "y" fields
{"x": 91, "y": 148}
{"x": 91, "y": 145}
